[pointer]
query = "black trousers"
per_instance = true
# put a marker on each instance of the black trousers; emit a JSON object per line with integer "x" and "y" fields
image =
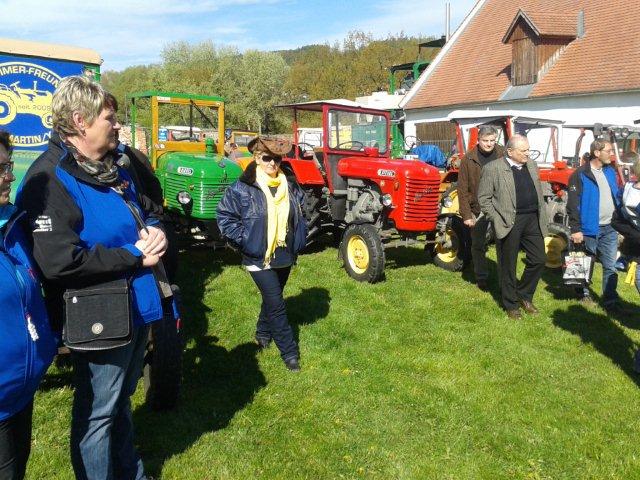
{"x": 524, "y": 235}
{"x": 15, "y": 444}
{"x": 272, "y": 322}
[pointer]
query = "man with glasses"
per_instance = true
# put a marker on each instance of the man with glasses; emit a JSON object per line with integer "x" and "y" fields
{"x": 593, "y": 197}
{"x": 510, "y": 195}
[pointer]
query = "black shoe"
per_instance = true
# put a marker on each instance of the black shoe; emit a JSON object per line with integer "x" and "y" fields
{"x": 293, "y": 364}
{"x": 263, "y": 342}
{"x": 482, "y": 284}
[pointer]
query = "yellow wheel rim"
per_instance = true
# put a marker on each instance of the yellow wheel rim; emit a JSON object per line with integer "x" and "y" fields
{"x": 448, "y": 254}
{"x": 358, "y": 254}
{"x": 554, "y": 245}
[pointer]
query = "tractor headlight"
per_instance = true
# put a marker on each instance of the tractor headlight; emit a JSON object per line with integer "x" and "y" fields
{"x": 184, "y": 198}
{"x": 386, "y": 200}
{"x": 447, "y": 201}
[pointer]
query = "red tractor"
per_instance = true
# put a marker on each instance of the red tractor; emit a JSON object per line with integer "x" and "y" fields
{"x": 354, "y": 189}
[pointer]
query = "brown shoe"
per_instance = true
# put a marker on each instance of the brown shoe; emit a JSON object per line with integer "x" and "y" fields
{"x": 528, "y": 307}
{"x": 514, "y": 314}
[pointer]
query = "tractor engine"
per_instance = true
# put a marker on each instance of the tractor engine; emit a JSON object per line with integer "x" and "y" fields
{"x": 363, "y": 202}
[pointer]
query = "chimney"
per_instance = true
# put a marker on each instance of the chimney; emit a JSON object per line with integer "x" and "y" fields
{"x": 580, "y": 29}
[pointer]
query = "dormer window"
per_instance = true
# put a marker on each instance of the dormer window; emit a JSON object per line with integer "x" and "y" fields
{"x": 537, "y": 39}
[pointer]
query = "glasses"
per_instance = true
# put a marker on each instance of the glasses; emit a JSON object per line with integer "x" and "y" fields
{"x": 269, "y": 159}
{"x": 6, "y": 169}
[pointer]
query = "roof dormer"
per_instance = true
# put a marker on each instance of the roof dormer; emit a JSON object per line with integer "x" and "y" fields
{"x": 537, "y": 39}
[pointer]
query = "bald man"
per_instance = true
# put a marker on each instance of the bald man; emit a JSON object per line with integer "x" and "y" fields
{"x": 510, "y": 195}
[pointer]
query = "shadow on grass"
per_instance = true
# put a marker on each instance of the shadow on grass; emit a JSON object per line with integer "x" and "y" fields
{"x": 217, "y": 382}
{"x": 597, "y": 329}
{"x": 311, "y": 305}
{"x": 554, "y": 285}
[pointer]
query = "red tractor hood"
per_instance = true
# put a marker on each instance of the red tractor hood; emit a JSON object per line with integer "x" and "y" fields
{"x": 385, "y": 169}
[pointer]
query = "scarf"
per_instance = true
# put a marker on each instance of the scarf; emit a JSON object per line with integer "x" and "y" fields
{"x": 277, "y": 211}
{"x": 103, "y": 170}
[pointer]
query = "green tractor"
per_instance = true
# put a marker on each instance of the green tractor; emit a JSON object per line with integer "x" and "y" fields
{"x": 188, "y": 159}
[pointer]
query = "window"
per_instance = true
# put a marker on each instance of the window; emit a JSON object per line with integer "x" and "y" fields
{"x": 354, "y": 131}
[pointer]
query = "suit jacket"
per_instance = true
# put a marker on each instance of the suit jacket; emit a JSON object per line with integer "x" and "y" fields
{"x": 497, "y": 196}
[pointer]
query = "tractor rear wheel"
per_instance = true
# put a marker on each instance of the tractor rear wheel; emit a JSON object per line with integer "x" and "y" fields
{"x": 452, "y": 251}
{"x": 163, "y": 362}
{"x": 362, "y": 253}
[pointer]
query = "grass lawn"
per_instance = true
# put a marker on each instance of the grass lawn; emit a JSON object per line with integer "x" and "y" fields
{"x": 421, "y": 376}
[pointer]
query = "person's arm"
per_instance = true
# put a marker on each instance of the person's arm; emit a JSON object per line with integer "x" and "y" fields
{"x": 463, "y": 193}
{"x": 486, "y": 192}
{"x": 573, "y": 206}
{"x": 229, "y": 217}
{"x": 53, "y": 218}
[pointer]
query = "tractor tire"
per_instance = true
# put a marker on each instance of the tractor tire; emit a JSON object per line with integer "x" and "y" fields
{"x": 452, "y": 258}
{"x": 311, "y": 212}
{"x": 362, "y": 253}
{"x": 8, "y": 109}
{"x": 163, "y": 364}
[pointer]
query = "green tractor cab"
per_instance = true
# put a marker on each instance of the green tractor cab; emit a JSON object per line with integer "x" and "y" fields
{"x": 192, "y": 168}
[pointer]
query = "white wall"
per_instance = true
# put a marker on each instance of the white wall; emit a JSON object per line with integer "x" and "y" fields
{"x": 615, "y": 108}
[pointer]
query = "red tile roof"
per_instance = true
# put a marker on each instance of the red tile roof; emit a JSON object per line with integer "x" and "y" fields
{"x": 475, "y": 68}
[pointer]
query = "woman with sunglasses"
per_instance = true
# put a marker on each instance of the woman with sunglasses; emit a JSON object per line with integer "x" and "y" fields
{"x": 26, "y": 342}
{"x": 261, "y": 215}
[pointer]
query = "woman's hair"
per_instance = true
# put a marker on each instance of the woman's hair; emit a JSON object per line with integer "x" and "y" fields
{"x": 634, "y": 159}
{"x": 5, "y": 141}
{"x": 76, "y": 94}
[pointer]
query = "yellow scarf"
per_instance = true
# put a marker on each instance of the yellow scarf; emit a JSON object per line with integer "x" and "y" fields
{"x": 277, "y": 211}
{"x": 631, "y": 273}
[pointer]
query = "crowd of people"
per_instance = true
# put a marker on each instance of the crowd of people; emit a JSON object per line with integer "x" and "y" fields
{"x": 86, "y": 227}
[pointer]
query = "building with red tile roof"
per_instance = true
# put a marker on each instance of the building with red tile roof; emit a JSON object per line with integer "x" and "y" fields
{"x": 577, "y": 60}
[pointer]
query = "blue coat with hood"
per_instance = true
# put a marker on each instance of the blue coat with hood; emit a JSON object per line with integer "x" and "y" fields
{"x": 26, "y": 341}
{"x": 83, "y": 232}
{"x": 242, "y": 217}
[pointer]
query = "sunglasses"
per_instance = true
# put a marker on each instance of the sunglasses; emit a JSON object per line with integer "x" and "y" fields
{"x": 6, "y": 169}
{"x": 269, "y": 159}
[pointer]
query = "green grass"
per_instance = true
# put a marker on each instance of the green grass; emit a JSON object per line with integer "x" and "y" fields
{"x": 421, "y": 376}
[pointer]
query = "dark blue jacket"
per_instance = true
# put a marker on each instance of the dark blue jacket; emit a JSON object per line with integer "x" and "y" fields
{"x": 83, "y": 232}
{"x": 583, "y": 204}
{"x": 242, "y": 216}
{"x": 25, "y": 356}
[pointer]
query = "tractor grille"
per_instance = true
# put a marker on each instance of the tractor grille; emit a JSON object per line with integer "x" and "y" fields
{"x": 206, "y": 195}
{"x": 421, "y": 200}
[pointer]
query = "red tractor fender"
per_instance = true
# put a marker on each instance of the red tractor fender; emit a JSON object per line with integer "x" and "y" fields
{"x": 306, "y": 171}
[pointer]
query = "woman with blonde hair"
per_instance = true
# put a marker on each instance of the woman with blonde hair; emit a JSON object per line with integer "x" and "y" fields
{"x": 261, "y": 214}
{"x": 93, "y": 234}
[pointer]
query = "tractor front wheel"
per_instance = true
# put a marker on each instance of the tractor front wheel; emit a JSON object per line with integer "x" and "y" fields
{"x": 451, "y": 250}
{"x": 362, "y": 253}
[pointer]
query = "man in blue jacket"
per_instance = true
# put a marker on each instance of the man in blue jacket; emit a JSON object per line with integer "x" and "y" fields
{"x": 593, "y": 197}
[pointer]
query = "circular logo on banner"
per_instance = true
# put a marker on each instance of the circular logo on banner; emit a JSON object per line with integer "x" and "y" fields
{"x": 26, "y": 90}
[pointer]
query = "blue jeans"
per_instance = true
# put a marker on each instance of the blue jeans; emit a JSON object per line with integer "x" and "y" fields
{"x": 101, "y": 425}
{"x": 605, "y": 246}
{"x": 272, "y": 322}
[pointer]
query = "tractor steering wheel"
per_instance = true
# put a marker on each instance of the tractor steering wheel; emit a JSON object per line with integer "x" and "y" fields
{"x": 534, "y": 154}
{"x": 353, "y": 143}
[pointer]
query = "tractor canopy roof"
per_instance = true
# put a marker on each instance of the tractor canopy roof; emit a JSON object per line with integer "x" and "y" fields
{"x": 316, "y": 105}
{"x": 169, "y": 95}
{"x": 484, "y": 116}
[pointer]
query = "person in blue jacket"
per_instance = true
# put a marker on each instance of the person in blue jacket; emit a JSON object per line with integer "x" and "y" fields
{"x": 26, "y": 341}
{"x": 592, "y": 200}
{"x": 84, "y": 233}
{"x": 261, "y": 214}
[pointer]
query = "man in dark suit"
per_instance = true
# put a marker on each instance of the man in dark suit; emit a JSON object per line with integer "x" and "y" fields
{"x": 510, "y": 195}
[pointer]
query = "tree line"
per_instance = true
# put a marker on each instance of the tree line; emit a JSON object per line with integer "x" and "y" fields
{"x": 253, "y": 82}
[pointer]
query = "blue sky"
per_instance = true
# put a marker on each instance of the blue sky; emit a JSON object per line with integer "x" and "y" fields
{"x": 133, "y": 32}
